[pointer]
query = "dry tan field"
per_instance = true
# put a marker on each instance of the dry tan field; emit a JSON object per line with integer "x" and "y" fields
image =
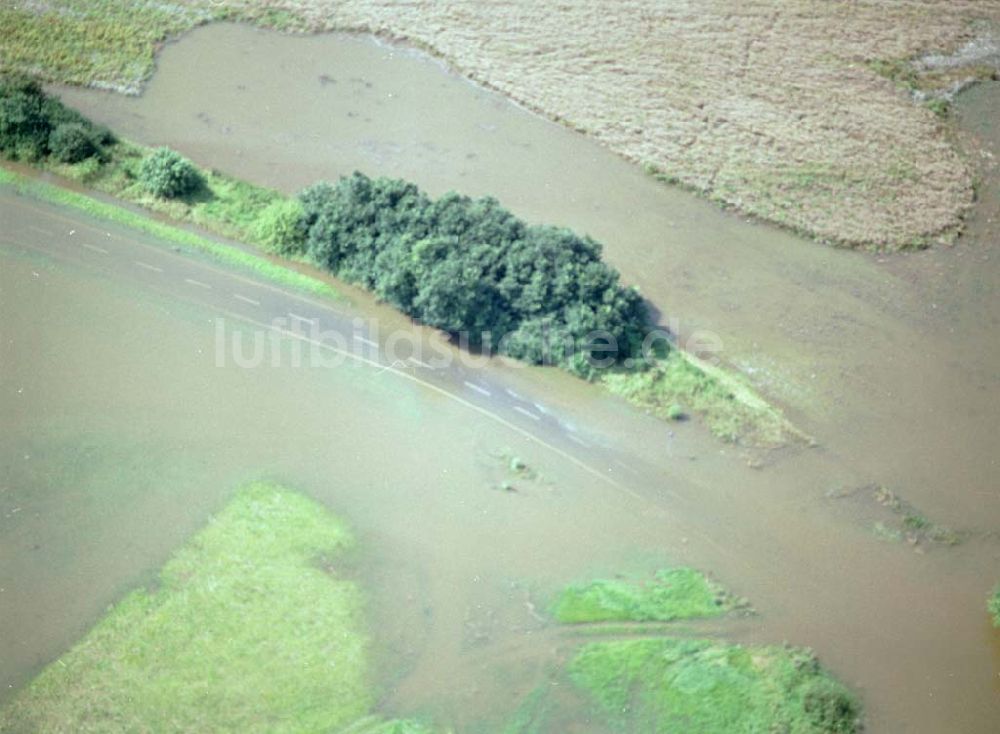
{"x": 778, "y": 110}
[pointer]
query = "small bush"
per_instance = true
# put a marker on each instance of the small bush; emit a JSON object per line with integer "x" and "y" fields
{"x": 280, "y": 227}
{"x": 168, "y": 174}
{"x": 57, "y": 114}
{"x": 994, "y": 606}
{"x": 72, "y": 142}
{"x": 24, "y": 124}
{"x": 829, "y": 707}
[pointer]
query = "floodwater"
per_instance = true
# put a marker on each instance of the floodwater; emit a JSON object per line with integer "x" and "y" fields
{"x": 890, "y": 362}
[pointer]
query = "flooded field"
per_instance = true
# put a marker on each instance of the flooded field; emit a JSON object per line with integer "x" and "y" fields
{"x": 889, "y": 362}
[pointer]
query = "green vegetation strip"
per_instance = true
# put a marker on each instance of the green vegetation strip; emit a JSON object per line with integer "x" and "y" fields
{"x": 540, "y": 294}
{"x": 248, "y": 629}
{"x": 679, "y": 383}
{"x": 711, "y": 687}
{"x": 224, "y": 253}
{"x": 993, "y": 604}
{"x": 638, "y": 679}
{"x": 673, "y": 594}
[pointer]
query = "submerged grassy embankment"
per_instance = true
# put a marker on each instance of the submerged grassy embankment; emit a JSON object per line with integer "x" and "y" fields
{"x": 249, "y": 627}
{"x": 466, "y": 266}
{"x": 252, "y": 626}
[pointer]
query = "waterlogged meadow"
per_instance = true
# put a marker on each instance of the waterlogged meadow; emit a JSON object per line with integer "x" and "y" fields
{"x": 250, "y": 626}
{"x": 635, "y": 676}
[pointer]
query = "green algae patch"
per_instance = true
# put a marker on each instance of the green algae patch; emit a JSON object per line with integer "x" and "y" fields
{"x": 248, "y": 628}
{"x": 704, "y": 686}
{"x": 672, "y": 594}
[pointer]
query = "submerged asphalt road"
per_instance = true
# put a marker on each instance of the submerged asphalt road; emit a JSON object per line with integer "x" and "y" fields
{"x": 335, "y": 329}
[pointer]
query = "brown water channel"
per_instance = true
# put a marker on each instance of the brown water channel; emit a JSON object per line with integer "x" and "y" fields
{"x": 890, "y": 362}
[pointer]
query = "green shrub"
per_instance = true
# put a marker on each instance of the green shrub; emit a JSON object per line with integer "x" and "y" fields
{"x": 33, "y": 124}
{"x": 24, "y": 124}
{"x": 280, "y": 227}
{"x": 473, "y": 269}
{"x": 829, "y": 707}
{"x": 993, "y": 604}
{"x": 71, "y": 142}
{"x": 168, "y": 174}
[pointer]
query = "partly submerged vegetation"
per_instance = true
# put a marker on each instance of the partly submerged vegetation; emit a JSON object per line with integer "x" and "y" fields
{"x": 667, "y": 684}
{"x": 678, "y": 384}
{"x": 249, "y": 627}
{"x": 672, "y": 594}
{"x": 253, "y": 626}
{"x": 636, "y": 679}
{"x": 894, "y": 519}
{"x": 468, "y": 266}
{"x": 227, "y": 254}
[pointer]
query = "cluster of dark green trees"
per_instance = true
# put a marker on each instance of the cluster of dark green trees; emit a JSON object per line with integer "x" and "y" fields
{"x": 469, "y": 267}
{"x": 34, "y": 126}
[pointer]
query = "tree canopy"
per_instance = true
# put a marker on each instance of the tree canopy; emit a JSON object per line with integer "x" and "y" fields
{"x": 469, "y": 267}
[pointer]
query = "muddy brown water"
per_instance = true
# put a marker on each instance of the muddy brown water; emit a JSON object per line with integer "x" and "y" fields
{"x": 889, "y": 361}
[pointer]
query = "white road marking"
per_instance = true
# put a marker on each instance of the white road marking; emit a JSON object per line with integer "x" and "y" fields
{"x": 419, "y": 363}
{"x": 40, "y": 230}
{"x": 625, "y": 466}
{"x": 406, "y": 375}
{"x": 95, "y": 248}
{"x": 577, "y": 439}
{"x": 252, "y": 302}
{"x": 528, "y": 413}
{"x": 303, "y": 318}
{"x": 369, "y": 342}
{"x": 480, "y": 390}
{"x": 155, "y": 269}
{"x": 197, "y": 283}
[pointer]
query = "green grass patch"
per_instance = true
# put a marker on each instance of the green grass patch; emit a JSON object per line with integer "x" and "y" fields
{"x": 222, "y": 204}
{"x": 993, "y": 605}
{"x": 672, "y": 594}
{"x": 227, "y": 254}
{"x": 111, "y": 44}
{"x": 704, "y": 686}
{"x": 680, "y": 383}
{"x": 105, "y": 43}
{"x": 248, "y": 628}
